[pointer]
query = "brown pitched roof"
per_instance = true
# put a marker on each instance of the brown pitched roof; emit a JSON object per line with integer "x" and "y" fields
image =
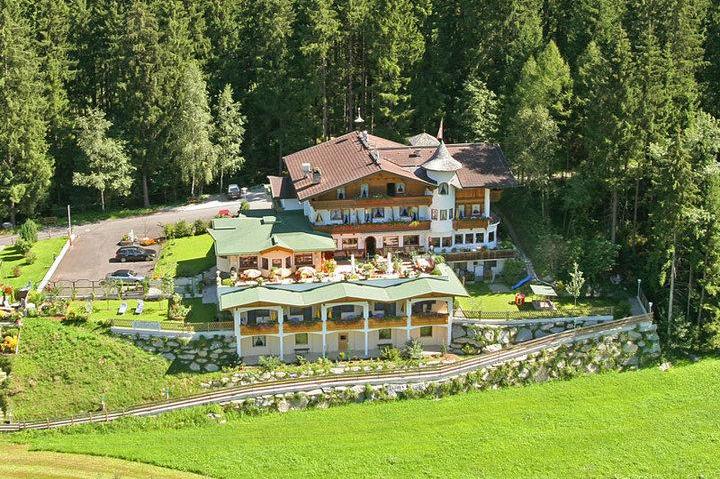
{"x": 281, "y": 187}
{"x": 351, "y": 157}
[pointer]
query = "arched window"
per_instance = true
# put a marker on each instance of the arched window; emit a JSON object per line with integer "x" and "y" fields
{"x": 443, "y": 190}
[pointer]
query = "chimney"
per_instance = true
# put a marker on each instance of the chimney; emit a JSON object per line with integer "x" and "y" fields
{"x": 316, "y": 176}
{"x": 440, "y": 129}
{"x": 306, "y": 169}
{"x": 359, "y": 122}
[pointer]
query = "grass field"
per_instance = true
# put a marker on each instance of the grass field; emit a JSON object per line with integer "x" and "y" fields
{"x": 46, "y": 251}
{"x": 152, "y": 310}
{"x": 186, "y": 256}
{"x": 648, "y": 424}
{"x": 63, "y": 369}
{"x": 482, "y": 299}
{"x": 16, "y": 462}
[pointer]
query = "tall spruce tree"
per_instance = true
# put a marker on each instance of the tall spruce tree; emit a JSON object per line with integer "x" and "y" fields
{"x": 229, "y": 131}
{"x": 25, "y": 166}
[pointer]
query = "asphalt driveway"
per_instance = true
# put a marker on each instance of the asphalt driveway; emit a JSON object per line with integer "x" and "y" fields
{"x": 89, "y": 258}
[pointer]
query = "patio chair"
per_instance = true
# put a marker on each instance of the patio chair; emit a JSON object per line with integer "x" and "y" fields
{"x": 123, "y": 307}
{"x": 140, "y": 306}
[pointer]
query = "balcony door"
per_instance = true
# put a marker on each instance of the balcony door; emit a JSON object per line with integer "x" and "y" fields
{"x": 343, "y": 342}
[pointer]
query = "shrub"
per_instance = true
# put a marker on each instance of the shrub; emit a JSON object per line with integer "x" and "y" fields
{"x": 17, "y": 272}
{"x": 22, "y": 246}
{"x": 436, "y": 272}
{"x": 9, "y": 344}
{"x": 438, "y": 259}
{"x": 227, "y": 282}
{"x": 269, "y": 363}
{"x": 30, "y": 257}
{"x": 183, "y": 229}
{"x": 413, "y": 350}
{"x": 177, "y": 311}
{"x": 244, "y": 205}
{"x": 201, "y": 227}
{"x": 29, "y": 231}
{"x": 513, "y": 271}
{"x": 169, "y": 231}
{"x": 390, "y": 353}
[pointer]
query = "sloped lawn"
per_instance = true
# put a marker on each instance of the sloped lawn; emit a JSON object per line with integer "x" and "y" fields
{"x": 46, "y": 251}
{"x": 187, "y": 256}
{"x": 648, "y": 424}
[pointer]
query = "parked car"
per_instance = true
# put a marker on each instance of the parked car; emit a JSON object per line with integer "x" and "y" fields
{"x": 234, "y": 192}
{"x": 125, "y": 275}
{"x": 134, "y": 253}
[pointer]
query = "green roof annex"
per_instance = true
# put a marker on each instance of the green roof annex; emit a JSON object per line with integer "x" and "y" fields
{"x": 308, "y": 294}
{"x": 260, "y": 230}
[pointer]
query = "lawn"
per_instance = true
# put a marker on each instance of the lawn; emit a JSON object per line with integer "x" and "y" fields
{"x": 46, "y": 251}
{"x": 646, "y": 423}
{"x": 483, "y": 299}
{"x": 186, "y": 256}
{"x": 64, "y": 369}
{"x": 16, "y": 462}
{"x": 152, "y": 310}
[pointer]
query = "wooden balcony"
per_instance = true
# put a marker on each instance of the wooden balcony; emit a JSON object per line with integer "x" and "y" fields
{"x": 259, "y": 329}
{"x": 372, "y": 202}
{"x": 429, "y": 319}
{"x": 344, "y": 324}
{"x": 473, "y": 223}
{"x": 480, "y": 255}
{"x": 389, "y": 322}
{"x": 302, "y": 326}
{"x": 375, "y": 227}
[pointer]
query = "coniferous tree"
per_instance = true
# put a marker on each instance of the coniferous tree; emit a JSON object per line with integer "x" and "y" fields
{"x": 477, "y": 112}
{"x": 229, "y": 131}
{"x": 25, "y": 166}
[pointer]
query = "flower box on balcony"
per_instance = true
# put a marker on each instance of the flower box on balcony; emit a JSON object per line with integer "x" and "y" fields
{"x": 431, "y": 319}
{"x": 343, "y": 324}
{"x": 302, "y": 326}
{"x": 259, "y": 329}
{"x": 388, "y": 322}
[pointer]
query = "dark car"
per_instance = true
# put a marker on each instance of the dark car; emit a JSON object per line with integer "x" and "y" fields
{"x": 125, "y": 276}
{"x": 234, "y": 192}
{"x": 134, "y": 253}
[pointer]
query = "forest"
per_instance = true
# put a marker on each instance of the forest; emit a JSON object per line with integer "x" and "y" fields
{"x": 606, "y": 109}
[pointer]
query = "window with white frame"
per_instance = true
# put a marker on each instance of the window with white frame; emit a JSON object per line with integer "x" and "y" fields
{"x": 318, "y": 218}
{"x": 391, "y": 241}
{"x": 411, "y": 240}
{"x": 247, "y": 261}
{"x": 341, "y": 193}
{"x": 404, "y": 212}
{"x": 479, "y": 237}
{"x": 335, "y": 215}
{"x": 385, "y": 334}
{"x": 301, "y": 339}
{"x": 378, "y": 213}
{"x": 491, "y": 236}
{"x": 433, "y": 214}
{"x": 304, "y": 259}
{"x": 461, "y": 211}
{"x": 434, "y": 242}
{"x": 476, "y": 210}
{"x": 364, "y": 190}
{"x": 259, "y": 341}
{"x": 426, "y": 332}
{"x": 446, "y": 241}
{"x": 469, "y": 238}
{"x": 443, "y": 215}
{"x": 400, "y": 188}
{"x": 458, "y": 239}
{"x": 443, "y": 189}
{"x": 277, "y": 263}
{"x": 451, "y": 214}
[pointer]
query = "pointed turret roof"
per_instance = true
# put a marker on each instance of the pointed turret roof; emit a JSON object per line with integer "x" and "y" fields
{"x": 422, "y": 139}
{"x": 442, "y": 160}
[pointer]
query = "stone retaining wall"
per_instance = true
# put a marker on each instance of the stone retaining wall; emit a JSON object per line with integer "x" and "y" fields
{"x": 203, "y": 353}
{"x": 478, "y": 336}
{"x": 617, "y": 350}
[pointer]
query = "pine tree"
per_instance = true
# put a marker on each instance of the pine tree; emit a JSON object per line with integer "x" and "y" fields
{"x": 229, "y": 131}
{"x": 109, "y": 167}
{"x": 25, "y": 166}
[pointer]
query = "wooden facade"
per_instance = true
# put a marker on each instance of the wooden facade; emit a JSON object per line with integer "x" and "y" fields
{"x": 377, "y": 186}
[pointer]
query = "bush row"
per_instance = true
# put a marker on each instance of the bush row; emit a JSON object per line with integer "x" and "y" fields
{"x": 182, "y": 229}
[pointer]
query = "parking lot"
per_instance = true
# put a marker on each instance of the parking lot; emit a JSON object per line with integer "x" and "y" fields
{"x": 90, "y": 256}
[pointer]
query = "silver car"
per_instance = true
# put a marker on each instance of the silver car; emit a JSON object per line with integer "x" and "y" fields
{"x": 234, "y": 192}
{"x": 125, "y": 275}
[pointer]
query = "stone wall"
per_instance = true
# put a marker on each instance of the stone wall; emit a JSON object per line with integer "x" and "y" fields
{"x": 199, "y": 353}
{"x": 618, "y": 350}
{"x": 478, "y": 336}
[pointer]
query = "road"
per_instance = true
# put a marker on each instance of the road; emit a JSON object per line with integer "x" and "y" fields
{"x": 89, "y": 256}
